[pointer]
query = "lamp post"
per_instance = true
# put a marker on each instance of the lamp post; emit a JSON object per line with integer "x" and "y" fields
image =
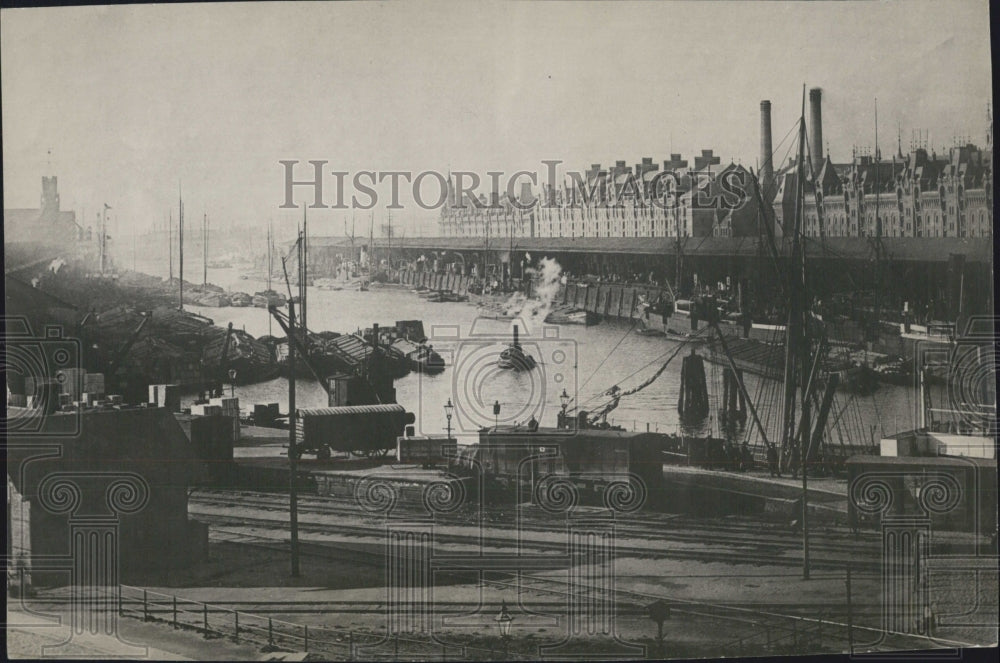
{"x": 496, "y": 415}
{"x": 448, "y": 410}
{"x": 564, "y": 402}
{"x": 659, "y": 612}
{"x": 232, "y": 382}
{"x": 503, "y": 621}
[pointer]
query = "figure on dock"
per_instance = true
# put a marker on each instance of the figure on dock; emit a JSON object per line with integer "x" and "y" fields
{"x": 772, "y": 461}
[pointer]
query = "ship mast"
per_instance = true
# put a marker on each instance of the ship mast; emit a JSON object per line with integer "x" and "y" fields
{"x": 180, "y": 245}
{"x": 204, "y": 249}
{"x": 800, "y": 362}
{"x": 878, "y": 234}
{"x": 679, "y": 257}
{"x": 303, "y": 270}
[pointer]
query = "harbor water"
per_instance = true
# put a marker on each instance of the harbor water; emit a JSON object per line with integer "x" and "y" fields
{"x": 585, "y": 361}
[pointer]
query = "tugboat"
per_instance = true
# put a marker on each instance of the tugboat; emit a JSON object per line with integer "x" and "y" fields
{"x": 515, "y": 358}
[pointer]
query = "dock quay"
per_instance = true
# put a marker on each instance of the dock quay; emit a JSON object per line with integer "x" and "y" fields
{"x": 259, "y": 462}
{"x": 746, "y": 492}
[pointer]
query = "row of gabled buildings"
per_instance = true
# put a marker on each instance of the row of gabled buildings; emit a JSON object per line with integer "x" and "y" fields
{"x": 914, "y": 195}
{"x": 620, "y": 201}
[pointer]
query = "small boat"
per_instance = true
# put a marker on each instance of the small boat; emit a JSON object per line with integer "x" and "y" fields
{"x": 240, "y": 299}
{"x": 642, "y": 328}
{"x": 417, "y": 356}
{"x": 328, "y": 284}
{"x": 897, "y": 371}
{"x": 570, "y": 316}
{"x": 446, "y": 296}
{"x": 389, "y": 285}
{"x": 266, "y": 298}
{"x": 515, "y": 358}
{"x": 213, "y": 299}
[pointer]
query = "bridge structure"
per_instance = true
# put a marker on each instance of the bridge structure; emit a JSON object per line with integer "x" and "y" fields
{"x": 939, "y": 277}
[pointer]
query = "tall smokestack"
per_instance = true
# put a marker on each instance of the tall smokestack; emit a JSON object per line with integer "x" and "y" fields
{"x": 766, "y": 151}
{"x": 816, "y": 128}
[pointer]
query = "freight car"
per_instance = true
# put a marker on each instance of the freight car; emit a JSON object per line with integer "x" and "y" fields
{"x": 363, "y": 430}
{"x": 590, "y": 458}
{"x": 955, "y": 493}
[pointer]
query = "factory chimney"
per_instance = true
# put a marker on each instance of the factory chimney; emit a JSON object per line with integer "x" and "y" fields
{"x": 766, "y": 167}
{"x": 815, "y": 129}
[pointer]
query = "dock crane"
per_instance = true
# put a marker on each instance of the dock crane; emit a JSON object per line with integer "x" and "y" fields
{"x": 375, "y": 389}
{"x": 221, "y": 372}
{"x": 363, "y": 391}
{"x": 115, "y": 364}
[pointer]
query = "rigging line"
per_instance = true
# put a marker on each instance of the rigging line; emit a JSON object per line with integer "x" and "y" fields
{"x": 656, "y": 375}
{"x": 642, "y": 368}
{"x": 662, "y": 368}
{"x": 608, "y": 356}
{"x": 770, "y": 159}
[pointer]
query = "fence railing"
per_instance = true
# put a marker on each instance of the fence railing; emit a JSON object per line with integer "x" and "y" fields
{"x": 239, "y": 626}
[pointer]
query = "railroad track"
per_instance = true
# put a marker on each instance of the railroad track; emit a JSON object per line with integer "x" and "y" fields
{"x": 736, "y": 553}
{"x": 659, "y": 528}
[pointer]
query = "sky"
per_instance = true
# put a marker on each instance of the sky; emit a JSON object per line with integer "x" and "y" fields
{"x": 127, "y": 104}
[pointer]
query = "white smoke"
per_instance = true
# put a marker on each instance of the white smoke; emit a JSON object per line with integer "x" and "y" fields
{"x": 546, "y": 281}
{"x": 548, "y": 277}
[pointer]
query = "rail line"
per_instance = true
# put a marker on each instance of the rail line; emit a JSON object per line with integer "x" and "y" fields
{"x": 652, "y": 527}
{"x": 662, "y": 549}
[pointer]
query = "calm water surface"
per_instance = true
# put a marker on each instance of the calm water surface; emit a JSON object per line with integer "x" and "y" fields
{"x": 586, "y": 361}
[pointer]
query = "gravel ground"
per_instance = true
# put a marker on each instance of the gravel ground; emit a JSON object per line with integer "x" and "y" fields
{"x": 351, "y": 598}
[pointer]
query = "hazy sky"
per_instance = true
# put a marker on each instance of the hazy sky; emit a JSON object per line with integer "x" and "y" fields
{"x": 132, "y": 99}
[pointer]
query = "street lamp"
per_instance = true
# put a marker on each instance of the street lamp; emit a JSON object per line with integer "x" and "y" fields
{"x": 659, "y": 612}
{"x": 496, "y": 415}
{"x": 564, "y": 401}
{"x": 448, "y": 410}
{"x": 232, "y": 382}
{"x": 503, "y": 621}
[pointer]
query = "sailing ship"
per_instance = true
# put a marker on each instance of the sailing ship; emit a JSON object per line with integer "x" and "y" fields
{"x": 269, "y": 297}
